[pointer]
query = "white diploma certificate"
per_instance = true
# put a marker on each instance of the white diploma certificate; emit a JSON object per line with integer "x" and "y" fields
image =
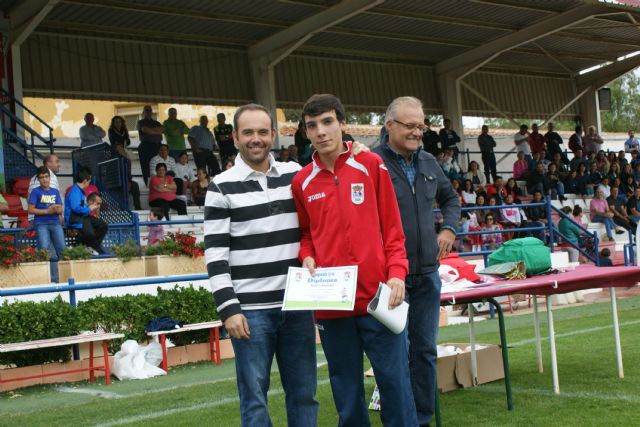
{"x": 332, "y": 288}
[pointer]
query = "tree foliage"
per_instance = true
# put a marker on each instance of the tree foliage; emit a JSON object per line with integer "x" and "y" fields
{"x": 625, "y": 104}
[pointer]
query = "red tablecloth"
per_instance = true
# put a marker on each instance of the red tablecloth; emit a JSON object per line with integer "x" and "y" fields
{"x": 583, "y": 277}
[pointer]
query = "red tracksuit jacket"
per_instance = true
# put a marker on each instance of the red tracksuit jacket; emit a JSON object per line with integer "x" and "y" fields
{"x": 351, "y": 217}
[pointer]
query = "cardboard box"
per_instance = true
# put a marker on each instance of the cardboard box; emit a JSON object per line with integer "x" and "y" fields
{"x": 454, "y": 371}
{"x": 444, "y": 319}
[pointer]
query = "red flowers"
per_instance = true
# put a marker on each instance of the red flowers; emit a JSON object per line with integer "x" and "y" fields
{"x": 10, "y": 254}
{"x": 176, "y": 244}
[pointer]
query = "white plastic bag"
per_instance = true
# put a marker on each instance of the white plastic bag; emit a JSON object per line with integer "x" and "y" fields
{"x": 135, "y": 362}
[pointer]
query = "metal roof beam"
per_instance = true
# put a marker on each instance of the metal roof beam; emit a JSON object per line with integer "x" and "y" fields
{"x": 284, "y": 42}
{"x": 608, "y": 73}
{"x": 26, "y": 16}
{"x": 486, "y": 53}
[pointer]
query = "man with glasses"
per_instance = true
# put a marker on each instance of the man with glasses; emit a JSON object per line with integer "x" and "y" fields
{"x": 150, "y": 132}
{"x": 418, "y": 180}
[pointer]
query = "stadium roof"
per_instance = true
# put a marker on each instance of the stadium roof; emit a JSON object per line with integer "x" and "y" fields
{"x": 523, "y": 57}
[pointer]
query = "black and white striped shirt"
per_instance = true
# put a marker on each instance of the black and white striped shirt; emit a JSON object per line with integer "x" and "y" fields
{"x": 251, "y": 236}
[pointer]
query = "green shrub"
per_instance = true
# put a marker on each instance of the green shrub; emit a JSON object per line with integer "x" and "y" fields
{"x": 126, "y": 251}
{"x": 188, "y": 305}
{"x": 27, "y": 321}
{"x": 75, "y": 252}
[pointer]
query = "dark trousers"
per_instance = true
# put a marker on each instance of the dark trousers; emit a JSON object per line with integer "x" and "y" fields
{"x": 489, "y": 162}
{"x": 134, "y": 190}
{"x": 92, "y": 232}
{"x": 176, "y": 204}
{"x": 146, "y": 151}
{"x": 206, "y": 159}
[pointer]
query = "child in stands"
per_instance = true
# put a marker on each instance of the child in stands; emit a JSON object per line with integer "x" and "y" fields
{"x": 605, "y": 258}
{"x": 156, "y": 232}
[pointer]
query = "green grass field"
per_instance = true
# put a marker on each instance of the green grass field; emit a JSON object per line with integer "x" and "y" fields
{"x": 204, "y": 394}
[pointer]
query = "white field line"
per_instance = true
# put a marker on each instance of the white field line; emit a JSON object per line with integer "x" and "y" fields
{"x": 570, "y": 334}
{"x": 93, "y": 392}
{"x": 199, "y": 406}
{"x": 565, "y": 394}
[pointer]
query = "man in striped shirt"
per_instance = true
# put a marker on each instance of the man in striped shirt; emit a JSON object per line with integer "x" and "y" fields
{"x": 251, "y": 239}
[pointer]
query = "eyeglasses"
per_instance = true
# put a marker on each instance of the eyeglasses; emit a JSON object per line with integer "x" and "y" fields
{"x": 489, "y": 219}
{"x": 412, "y": 126}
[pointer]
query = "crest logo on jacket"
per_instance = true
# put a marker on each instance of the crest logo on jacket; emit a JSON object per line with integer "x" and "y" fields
{"x": 357, "y": 193}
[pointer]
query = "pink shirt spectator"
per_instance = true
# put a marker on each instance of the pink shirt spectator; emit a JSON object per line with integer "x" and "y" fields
{"x": 165, "y": 195}
{"x": 599, "y": 205}
{"x": 519, "y": 168}
{"x": 156, "y": 234}
{"x": 577, "y": 219}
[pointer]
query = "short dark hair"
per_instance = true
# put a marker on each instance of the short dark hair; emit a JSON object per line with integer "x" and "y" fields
{"x": 158, "y": 212}
{"x": 42, "y": 170}
{"x": 605, "y": 252}
{"x": 93, "y": 196}
{"x": 82, "y": 175}
{"x": 161, "y": 165}
{"x": 578, "y": 128}
{"x": 249, "y": 107}
{"x": 323, "y": 103}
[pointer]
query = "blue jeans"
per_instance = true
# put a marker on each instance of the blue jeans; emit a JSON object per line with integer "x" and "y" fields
{"x": 423, "y": 296}
{"x": 290, "y": 336}
{"x": 343, "y": 341}
{"x": 51, "y": 238}
{"x": 608, "y": 223}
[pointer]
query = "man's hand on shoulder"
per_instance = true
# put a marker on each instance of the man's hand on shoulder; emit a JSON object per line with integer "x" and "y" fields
{"x": 238, "y": 327}
{"x": 397, "y": 292}
{"x": 357, "y": 148}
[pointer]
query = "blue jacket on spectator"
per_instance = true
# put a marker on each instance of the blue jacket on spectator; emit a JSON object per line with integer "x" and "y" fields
{"x": 416, "y": 206}
{"x": 75, "y": 203}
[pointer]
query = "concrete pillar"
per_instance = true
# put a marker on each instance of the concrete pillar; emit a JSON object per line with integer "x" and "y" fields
{"x": 264, "y": 87}
{"x": 590, "y": 110}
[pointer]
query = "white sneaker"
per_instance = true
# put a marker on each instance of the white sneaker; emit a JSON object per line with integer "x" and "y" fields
{"x": 93, "y": 252}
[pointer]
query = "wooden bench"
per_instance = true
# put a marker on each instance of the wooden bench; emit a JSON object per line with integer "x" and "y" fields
{"x": 214, "y": 339}
{"x": 62, "y": 341}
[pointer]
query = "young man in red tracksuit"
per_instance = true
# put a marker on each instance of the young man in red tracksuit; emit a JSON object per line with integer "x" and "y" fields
{"x": 348, "y": 215}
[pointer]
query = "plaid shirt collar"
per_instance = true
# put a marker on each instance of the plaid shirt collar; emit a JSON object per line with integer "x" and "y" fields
{"x": 409, "y": 168}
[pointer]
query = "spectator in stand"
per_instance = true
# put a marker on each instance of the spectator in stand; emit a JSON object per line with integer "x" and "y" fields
{"x": 592, "y": 141}
{"x": 604, "y": 187}
{"x": 468, "y": 193}
{"x": 162, "y": 192}
{"x": 494, "y": 201}
{"x": 536, "y": 140}
{"x": 283, "y": 156}
{"x": 156, "y": 232}
{"x": 534, "y": 160}
{"x": 118, "y": 133}
{"x": 571, "y": 233}
{"x": 618, "y": 209}
{"x": 150, "y": 132}
{"x": 228, "y": 164}
{"x": 90, "y": 133}
{"x": 577, "y": 215}
{"x": 134, "y": 188}
{"x": 521, "y": 167}
{"x": 491, "y": 241}
{"x": 629, "y": 186}
{"x": 571, "y": 183}
{"x": 199, "y": 187}
{"x": 538, "y": 181}
{"x": 632, "y": 143}
{"x": 81, "y": 213}
{"x": 521, "y": 140}
{"x": 52, "y": 163}
{"x": 293, "y": 153}
{"x": 497, "y": 190}
{"x": 633, "y": 205}
{"x": 450, "y": 166}
{"x": 622, "y": 158}
{"x": 561, "y": 167}
{"x": 537, "y": 217}
{"x": 164, "y": 158}
{"x": 555, "y": 183}
{"x": 223, "y": 133}
{"x": 449, "y": 138}
{"x": 601, "y": 161}
{"x": 636, "y": 173}
{"x": 304, "y": 144}
{"x": 487, "y": 144}
{"x": 614, "y": 172}
{"x": 514, "y": 190}
{"x": 203, "y": 144}
{"x": 457, "y": 187}
{"x": 174, "y": 132}
{"x": 511, "y": 216}
{"x": 544, "y": 159}
{"x": 595, "y": 176}
{"x": 45, "y": 204}
{"x": 578, "y": 158}
{"x": 475, "y": 176}
{"x": 635, "y": 159}
{"x": 480, "y": 202}
{"x": 430, "y": 139}
{"x": 627, "y": 171}
{"x": 184, "y": 172}
{"x": 585, "y": 187}
{"x": 91, "y": 188}
{"x": 605, "y": 258}
{"x": 575, "y": 141}
{"x": 554, "y": 140}
{"x": 599, "y": 212}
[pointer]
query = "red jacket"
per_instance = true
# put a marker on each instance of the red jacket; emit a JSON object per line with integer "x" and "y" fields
{"x": 351, "y": 217}
{"x": 536, "y": 142}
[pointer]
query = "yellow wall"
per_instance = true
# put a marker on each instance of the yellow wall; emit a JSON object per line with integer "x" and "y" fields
{"x": 66, "y": 116}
